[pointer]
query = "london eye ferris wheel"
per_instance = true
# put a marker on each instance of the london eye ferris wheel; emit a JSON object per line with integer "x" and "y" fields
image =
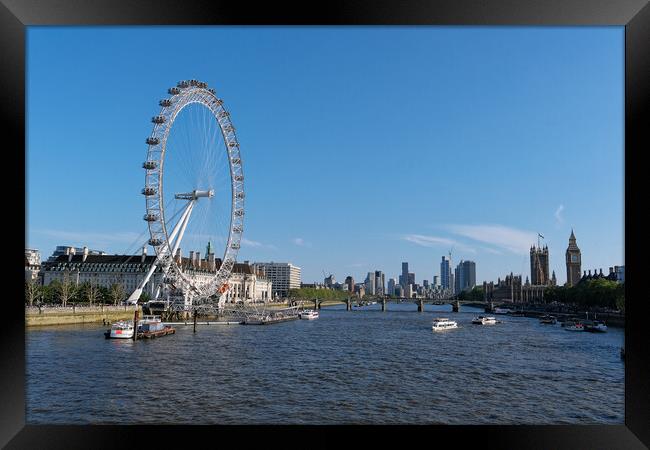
{"x": 194, "y": 191}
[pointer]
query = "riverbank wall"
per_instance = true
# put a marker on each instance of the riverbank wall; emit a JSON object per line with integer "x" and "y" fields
{"x": 57, "y": 315}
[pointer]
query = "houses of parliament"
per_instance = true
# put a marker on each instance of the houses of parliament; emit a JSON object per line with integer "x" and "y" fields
{"x": 511, "y": 288}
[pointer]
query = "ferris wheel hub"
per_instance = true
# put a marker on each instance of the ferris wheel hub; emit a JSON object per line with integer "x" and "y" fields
{"x": 195, "y": 194}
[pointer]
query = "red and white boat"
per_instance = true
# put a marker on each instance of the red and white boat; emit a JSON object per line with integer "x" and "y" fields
{"x": 120, "y": 330}
{"x": 574, "y": 326}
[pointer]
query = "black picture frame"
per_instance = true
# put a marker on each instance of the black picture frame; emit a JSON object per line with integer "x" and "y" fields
{"x": 16, "y": 15}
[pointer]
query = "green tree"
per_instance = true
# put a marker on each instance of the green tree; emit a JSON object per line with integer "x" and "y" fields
{"x": 50, "y": 293}
{"x": 104, "y": 294}
{"x": 90, "y": 292}
{"x": 116, "y": 293}
{"x": 325, "y": 294}
{"x": 620, "y": 297}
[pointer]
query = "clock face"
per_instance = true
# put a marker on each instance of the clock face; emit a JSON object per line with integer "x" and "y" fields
{"x": 574, "y": 258}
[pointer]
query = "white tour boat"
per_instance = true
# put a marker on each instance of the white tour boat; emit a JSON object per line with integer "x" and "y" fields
{"x": 483, "y": 320}
{"x": 120, "y": 330}
{"x": 442, "y": 323}
{"x": 308, "y": 314}
{"x": 502, "y": 311}
{"x": 596, "y": 327}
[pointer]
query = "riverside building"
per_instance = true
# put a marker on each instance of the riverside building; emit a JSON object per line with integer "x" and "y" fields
{"x": 32, "y": 264}
{"x": 67, "y": 249}
{"x": 129, "y": 270}
{"x": 511, "y": 289}
{"x": 284, "y": 276}
{"x": 539, "y": 273}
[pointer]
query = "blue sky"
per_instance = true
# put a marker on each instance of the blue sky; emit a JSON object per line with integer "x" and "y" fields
{"x": 362, "y": 147}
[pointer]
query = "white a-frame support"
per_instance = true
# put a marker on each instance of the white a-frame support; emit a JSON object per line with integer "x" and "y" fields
{"x": 180, "y": 226}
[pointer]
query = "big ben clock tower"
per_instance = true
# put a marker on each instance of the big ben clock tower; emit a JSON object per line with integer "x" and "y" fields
{"x": 573, "y": 262}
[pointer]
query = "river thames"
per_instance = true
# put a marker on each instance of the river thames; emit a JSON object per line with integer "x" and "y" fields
{"x": 347, "y": 367}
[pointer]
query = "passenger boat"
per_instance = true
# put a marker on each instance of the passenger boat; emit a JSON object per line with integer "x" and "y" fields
{"x": 120, "y": 330}
{"x": 548, "y": 319}
{"x": 150, "y": 323}
{"x": 483, "y": 320}
{"x": 442, "y": 323}
{"x": 308, "y": 314}
{"x": 502, "y": 311}
{"x": 595, "y": 326}
{"x": 573, "y": 325}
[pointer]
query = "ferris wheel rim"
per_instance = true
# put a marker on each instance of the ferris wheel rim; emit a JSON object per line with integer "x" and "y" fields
{"x": 187, "y": 93}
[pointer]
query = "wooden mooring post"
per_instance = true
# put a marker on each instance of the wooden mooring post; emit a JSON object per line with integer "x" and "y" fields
{"x": 135, "y": 324}
{"x": 195, "y": 321}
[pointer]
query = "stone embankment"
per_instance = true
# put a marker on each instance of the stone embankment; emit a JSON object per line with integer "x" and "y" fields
{"x": 58, "y": 315}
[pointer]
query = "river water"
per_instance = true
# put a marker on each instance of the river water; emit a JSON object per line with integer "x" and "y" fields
{"x": 347, "y": 367}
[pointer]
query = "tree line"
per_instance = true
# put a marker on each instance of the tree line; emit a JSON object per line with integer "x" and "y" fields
{"x": 66, "y": 292}
{"x": 325, "y": 294}
{"x": 590, "y": 293}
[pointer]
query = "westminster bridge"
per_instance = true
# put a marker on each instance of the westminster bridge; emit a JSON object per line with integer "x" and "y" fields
{"x": 420, "y": 302}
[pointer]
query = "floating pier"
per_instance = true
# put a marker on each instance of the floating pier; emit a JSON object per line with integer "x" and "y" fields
{"x": 154, "y": 334}
{"x": 203, "y": 323}
{"x": 266, "y": 320}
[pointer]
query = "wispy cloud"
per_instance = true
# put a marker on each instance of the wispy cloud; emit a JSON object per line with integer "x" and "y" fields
{"x": 255, "y": 244}
{"x": 436, "y": 241}
{"x": 491, "y": 250}
{"x": 301, "y": 242}
{"x": 506, "y": 238}
{"x": 559, "y": 220}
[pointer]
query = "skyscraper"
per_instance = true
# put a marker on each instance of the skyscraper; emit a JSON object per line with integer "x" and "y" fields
{"x": 379, "y": 282}
{"x": 391, "y": 286}
{"x": 370, "y": 283}
{"x": 465, "y": 278}
{"x": 573, "y": 261}
{"x": 445, "y": 273}
{"x": 404, "y": 279}
{"x": 539, "y": 274}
